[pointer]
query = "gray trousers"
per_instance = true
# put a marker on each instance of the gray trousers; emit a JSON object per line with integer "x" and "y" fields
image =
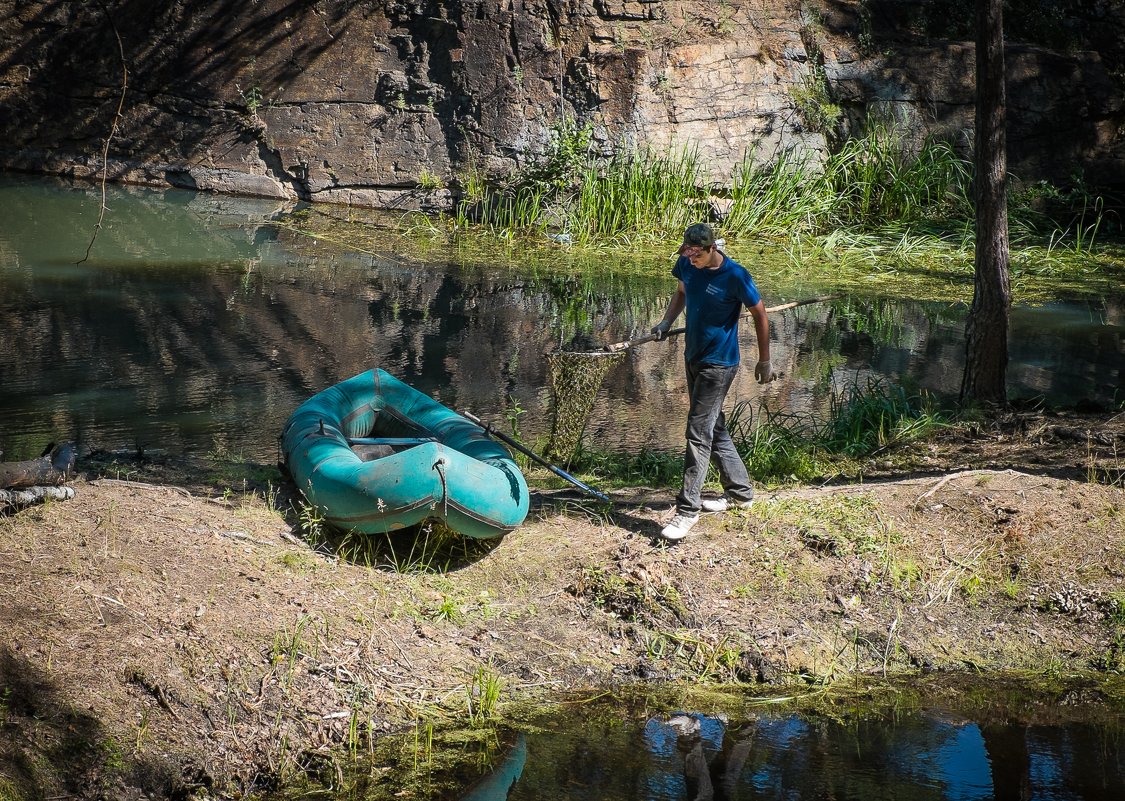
{"x": 708, "y": 441}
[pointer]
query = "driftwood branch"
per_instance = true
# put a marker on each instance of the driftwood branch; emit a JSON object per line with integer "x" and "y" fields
{"x": 961, "y": 474}
{"x": 112, "y": 130}
{"x": 14, "y": 500}
{"x": 142, "y": 485}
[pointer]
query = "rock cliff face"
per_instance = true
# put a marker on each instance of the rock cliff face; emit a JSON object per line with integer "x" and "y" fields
{"x": 378, "y": 102}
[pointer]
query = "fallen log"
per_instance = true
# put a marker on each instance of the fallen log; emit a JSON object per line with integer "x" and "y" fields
{"x": 52, "y": 468}
{"x": 14, "y": 500}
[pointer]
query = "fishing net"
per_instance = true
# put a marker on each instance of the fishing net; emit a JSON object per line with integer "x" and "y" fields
{"x": 574, "y": 379}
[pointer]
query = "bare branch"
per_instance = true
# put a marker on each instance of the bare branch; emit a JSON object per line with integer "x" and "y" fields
{"x": 112, "y": 131}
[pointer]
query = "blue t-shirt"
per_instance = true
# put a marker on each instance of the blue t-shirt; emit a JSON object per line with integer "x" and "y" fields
{"x": 714, "y": 302}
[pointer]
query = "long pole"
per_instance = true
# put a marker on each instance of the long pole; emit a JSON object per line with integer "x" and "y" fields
{"x": 601, "y": 496}
{"x": 632, "y": 343}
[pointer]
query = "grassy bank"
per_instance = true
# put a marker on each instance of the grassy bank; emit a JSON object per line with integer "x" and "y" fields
{"x": 878, "y": 213}
{"x": 177, "y": 629}
{"x": 877, "y": 198}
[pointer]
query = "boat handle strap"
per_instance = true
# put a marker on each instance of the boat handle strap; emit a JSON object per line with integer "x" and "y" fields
{"x": 439, "y": 465}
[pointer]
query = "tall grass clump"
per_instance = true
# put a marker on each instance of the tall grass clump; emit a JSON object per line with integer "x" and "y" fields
{"x": 589, "y": 195}
{"x": 780, "y": 200}
{"x": 506, "y": 210}
{"x": 878, "y": 179}
{"x": 527, "y": 200}
{"x": 636, "y": 192}
{"x": 866, "y": 419}
{"x": 871, "y": 182}
{"x": 1070, "y": 218}
{"x": 862, "y": 420}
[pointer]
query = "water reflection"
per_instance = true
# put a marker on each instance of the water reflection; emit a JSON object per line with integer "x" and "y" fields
{"x": 199, "y": 324}
{"x": 919, "y": 757}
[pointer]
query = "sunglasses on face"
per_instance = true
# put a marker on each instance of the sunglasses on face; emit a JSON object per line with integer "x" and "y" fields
{"x": 692, "y": 252}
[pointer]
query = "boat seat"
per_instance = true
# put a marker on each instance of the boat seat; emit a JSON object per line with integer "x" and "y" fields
{"x": 368, "y": 449}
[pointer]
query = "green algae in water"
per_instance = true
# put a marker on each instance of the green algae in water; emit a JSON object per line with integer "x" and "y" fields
{"x": 912, "y": 264}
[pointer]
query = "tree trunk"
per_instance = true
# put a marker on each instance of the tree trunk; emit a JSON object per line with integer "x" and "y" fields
{"x": 986, "y": 332}
{"x": 53, "y": 467}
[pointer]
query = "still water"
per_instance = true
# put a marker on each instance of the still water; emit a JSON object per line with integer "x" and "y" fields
{"x": 950, "y": 739}
{"x": 925, "y": 756}
{"x": 198, "y": 324}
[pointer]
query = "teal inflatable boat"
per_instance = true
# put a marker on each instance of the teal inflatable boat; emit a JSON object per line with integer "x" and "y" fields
{"x": 375, "y": 455}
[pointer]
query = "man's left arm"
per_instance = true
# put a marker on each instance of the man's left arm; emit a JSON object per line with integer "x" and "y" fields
{"x": 763, "y": 370}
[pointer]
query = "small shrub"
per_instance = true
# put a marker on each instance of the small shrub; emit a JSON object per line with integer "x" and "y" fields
{"x": 776, "y": 447}
{"x": 429, "y": 181}
{"x": 814, "y": 104}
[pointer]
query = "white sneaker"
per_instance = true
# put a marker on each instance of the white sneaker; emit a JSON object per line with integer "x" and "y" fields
{"x": 679, "y": 527}
{"x": 724, "y": 503}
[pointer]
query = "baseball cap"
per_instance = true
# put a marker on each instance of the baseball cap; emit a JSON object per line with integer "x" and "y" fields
{"x": 698, "y": 235}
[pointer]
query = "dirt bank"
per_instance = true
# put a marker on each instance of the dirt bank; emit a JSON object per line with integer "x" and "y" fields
{"x": 165, "y": 635}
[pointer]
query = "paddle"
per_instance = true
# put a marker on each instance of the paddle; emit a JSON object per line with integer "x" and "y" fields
{"x": 601, "y": 496}
{"x": 632, "y": 343}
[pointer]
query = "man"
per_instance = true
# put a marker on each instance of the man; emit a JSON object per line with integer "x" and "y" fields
{"x": 713, "y": 288}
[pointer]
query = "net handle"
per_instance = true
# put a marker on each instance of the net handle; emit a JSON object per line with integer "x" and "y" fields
{"x": 632, "y": 343}
{"x": 558, "y": 471}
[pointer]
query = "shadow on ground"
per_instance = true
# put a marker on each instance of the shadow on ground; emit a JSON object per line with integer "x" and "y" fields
{"x": 50, "y": 749}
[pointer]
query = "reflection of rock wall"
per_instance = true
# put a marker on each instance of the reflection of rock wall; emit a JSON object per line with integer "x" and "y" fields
{"x": 355, "y": 103}
{"x": 195, "y": 315}
{"x": 196, "y": 324}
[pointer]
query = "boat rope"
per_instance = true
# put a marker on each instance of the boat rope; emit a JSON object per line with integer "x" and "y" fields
{"x": 439, "y": 465}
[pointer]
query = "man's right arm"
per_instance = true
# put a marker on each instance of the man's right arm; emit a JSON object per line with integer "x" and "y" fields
{"x": 675, "y": 306}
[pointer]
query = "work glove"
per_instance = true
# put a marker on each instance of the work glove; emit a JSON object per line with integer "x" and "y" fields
{"x": 763, "y": 371}
{"x": 660, "y": 329}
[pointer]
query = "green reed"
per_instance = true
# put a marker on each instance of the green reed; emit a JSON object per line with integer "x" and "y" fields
{"x": 778, "y": 200}
{"x": 879, "y": 201}
{"x": 629, "y": 194}
{"x": 505, "y": 211}
{"x": 870, "y": 418}
{"x": 871, "y": 182}
{"x": 862, "y": 420}
{"x": 482, "y": 695}
{"x": 637, "y": 193}
{"x": 880, "y": 178}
